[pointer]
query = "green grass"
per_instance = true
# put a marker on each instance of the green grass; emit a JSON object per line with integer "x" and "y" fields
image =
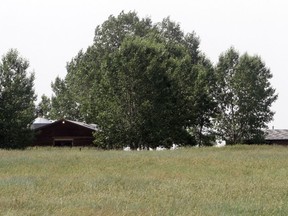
{"x": 239, "y": 180}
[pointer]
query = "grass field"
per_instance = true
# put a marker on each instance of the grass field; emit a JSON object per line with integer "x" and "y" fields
{"x": 239, "y": 180}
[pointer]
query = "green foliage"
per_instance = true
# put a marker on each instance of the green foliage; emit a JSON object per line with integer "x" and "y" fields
{"x": 44, "y": 107}
{"x": 244, "y": 96}
{"x": 135, "y": 83}
{"x": 142, "y": 94}
{"x": 16, "y": 101}
{"x": 110, "y": 35}
{"x": 148, "y": 84}
{"x": 63, "y": 103}
{"x": 201, "y": 105}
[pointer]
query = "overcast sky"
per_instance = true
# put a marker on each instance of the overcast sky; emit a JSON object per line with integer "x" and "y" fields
{"x": 49, "y": 33}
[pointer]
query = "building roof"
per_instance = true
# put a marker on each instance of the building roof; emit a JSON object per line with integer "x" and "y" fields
{"x": 41, "y": 122}
{"x": 90, "y": 126}
{"x": 276, "y": 134}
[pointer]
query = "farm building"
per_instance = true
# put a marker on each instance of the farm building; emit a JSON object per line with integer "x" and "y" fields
{"x": 62, "y": 133}
{"x": 277, "y": 136}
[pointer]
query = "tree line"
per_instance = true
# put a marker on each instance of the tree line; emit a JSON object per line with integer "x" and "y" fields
{"x": 145, "y": 84}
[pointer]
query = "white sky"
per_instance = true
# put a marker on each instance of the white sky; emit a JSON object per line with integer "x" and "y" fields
{"x": 49, "y": 33}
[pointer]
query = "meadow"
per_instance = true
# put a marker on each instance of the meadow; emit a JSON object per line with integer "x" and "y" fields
{"x": 235, "y": 180}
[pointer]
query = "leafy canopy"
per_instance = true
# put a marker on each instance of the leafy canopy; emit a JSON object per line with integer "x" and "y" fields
{"x": 148, "y": 84}
{"x": 16, "y": 101}
{"x": 244, "y": 95}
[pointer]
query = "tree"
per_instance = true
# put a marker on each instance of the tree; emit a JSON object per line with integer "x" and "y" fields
{"x": 204, "y": 106}
{"x": 109, "y": 36}
{"x": 17, "y": 98}
{"x": 44, "y": 107}
{"x": 63, "y": 103}
{"x": 82, "y": 84}
{"x": 244, "y": 95}
{"x": 141, "y": 96}
{"x": 109, "y": 83}
{"x": 195, "y": 79}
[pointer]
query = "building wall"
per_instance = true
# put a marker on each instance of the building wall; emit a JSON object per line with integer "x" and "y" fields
{"x": 277, "y": 142}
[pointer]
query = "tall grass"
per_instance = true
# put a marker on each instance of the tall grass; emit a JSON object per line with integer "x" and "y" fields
{"x": 239, "y": 180}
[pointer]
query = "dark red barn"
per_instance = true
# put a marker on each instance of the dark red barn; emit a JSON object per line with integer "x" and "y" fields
{"x": 62, "y": 133}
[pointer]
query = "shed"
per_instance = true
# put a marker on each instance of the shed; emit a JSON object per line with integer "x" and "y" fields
{"x": 64, "y": 133}
{"x": 276, "y": 136}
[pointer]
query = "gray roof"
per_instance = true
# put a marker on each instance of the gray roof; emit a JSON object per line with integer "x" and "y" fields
{"x": 41, "y": 122}
{"x": 90, "y": 126}
{"x": 276, "y": 134}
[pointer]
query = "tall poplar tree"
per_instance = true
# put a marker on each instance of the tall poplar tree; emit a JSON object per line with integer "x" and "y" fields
{"x": 244, "y": 95}
{"x": 17, "y": 98}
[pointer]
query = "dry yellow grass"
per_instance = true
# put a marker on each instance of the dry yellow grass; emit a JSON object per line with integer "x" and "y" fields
{"x": 239, "y": 180}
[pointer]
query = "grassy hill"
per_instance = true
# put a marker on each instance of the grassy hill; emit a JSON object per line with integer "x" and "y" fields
{"x": 238, "y": 180}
